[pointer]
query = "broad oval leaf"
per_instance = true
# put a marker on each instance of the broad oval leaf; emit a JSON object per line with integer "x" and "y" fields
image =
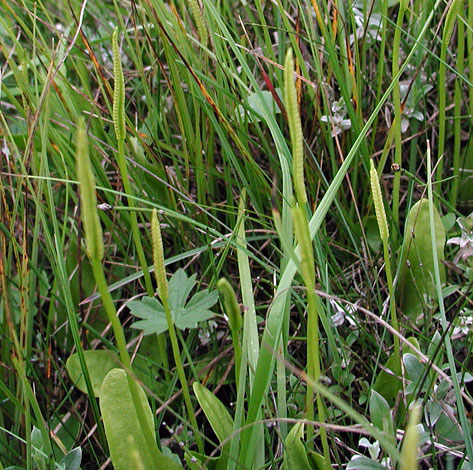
{"x": 99, "y": 363}
{"x": 123, "y": 430}
{"x": 388, "y": 382}
{"x": 416, "y": 285}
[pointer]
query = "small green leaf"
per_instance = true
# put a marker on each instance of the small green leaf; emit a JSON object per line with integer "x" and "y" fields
{"x": 448, "y": 430}
{"x": 432, "y": 349}
{"x": 122, "y": 426}
{"x": 414, "y": 367}
{"x": 218, "y": 416}
{"x": 152, "y": 312}
{"x": 99, "y": 363}
{"x": 72, "y": 460}
{"x": 295, "y": 454}
{"x": 317, "y": 460}
{"x": 448, "y": 221}
{"x": 388, "y": 382}
{"x": 255, "y": 102}
{"x": 185, "y": 315}
{"x": 380, "y": 411}
{"x": 361, "y": 462}
{"x": 372, "y": 233}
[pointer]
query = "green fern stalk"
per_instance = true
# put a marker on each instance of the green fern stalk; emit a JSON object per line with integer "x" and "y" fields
{"x": 457, "y": 98}
{"x": 120, "y": 131}
{"x": 295, "y": 129}
{"x": 384, "y": 235}
{"x": 442, "y": 91}
{"x": 160, "y": 273}
{"x": 397, "y": 116}
{"x": 313, "y": 349}
{"x": 233, "y": 312}
{"x": 95, "y": 252}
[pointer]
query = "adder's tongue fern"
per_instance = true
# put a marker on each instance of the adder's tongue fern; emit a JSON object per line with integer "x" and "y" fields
{"x": 119, "y": 123}
{"x": 384, "y": 235}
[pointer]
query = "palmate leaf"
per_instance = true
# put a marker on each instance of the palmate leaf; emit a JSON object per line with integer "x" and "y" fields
{"x": 185, "y": 315}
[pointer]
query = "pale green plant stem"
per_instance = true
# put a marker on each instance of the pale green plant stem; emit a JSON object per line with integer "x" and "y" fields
{"x": 384, "y": 235}
{"x": 119, "y": 118}
{"x": 442, "y": 89}
{"x": 120, "y": 132}
{"x": 465, "y": 425}
{"x": 392, "y": 297}
{"x": 160, "y": 273}
{"x": 313, "y": 352}
{"x": 180, "y": 371}
{"x": 397, "y": 120}
{"x": 111, "y": 312}
{"x": 95, "y": 252}
{"x": 457, "y": 98}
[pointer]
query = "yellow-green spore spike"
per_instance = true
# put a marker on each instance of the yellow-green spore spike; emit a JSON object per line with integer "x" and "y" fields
{"x": 411, "y": 441}
{"x": 295, "y": 129}
{"x": 450, "y": 22}
{"x": 232, "y": 308}
{"x": 118, "y": 113}
{"x": 378, "y": 204}
{"x": 89, "y": 212}
{"x": 158, "y": 257}
{"x": 199, "y": 22}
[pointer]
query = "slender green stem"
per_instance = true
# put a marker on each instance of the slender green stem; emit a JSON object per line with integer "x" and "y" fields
{"x": 466, "y": 426}
{"x": 123, "y": 351}
{"x": 397, "y": 119}
{"x": 392, "y": 298}
{"x": 119, "y": 119}
{"x": 457, "y": 97}
{"x": 163, "y": 292}
{"x": 442, "y": 89}
{"x": 384, "y": 235}
{"x": 313, "y": 353}
{"x": 180, "y": 371}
